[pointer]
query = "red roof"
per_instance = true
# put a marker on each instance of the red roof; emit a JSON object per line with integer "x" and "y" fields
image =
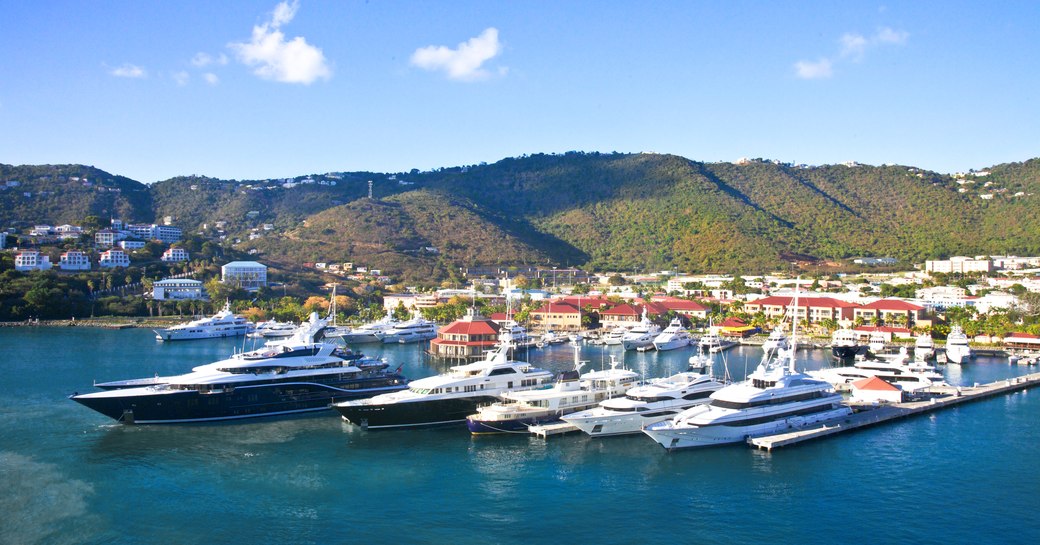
{"x": 733, "y": 322}
{"x": 1017, "y": 335}
{"x": 595, "y": 302}
{"x": 875, "y": 384}
{"x": 683, "y": 305}
{"x": 622, "y": 310}
{"x": 784, "y": 301}
{"x": 499, "y": 316}
{"x": 892, "y": 304}
{"x": 883, "y": 329}
{"x": 557, "y": 308}
{"x": 466, "y": 327}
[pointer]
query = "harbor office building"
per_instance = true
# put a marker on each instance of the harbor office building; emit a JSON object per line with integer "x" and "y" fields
{"x": 177, "y": 289}
{"x": 250, "y": 275}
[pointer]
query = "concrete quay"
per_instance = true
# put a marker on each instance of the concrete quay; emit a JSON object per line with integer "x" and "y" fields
{"x": 869, "y": 415}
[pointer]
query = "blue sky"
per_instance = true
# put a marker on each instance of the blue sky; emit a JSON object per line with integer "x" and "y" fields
{"x": 258, "y": 89}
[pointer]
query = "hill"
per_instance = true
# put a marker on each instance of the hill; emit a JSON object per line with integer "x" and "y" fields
{"x": 604, "y": 211}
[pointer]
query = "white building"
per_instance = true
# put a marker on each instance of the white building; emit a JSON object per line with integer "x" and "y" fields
{"x": 249, "y": 275}
{"x": 162, "y": 233}
{"x": 959, "y": 265}
{"x": 74, "y": 260}
{"x": 31, "y": 260}
{"x": 106, "y": 238}
{"x": 177, "y": 288}
{"x": 174, "y": 255}
{"x": 131, "y": 244}
{"x": 114, "y": 257}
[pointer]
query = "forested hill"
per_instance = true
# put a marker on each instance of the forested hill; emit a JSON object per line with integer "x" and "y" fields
{"x": 606, "y": 211}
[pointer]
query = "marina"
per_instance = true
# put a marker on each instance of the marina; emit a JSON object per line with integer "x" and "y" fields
{"x": 282, "y": 479}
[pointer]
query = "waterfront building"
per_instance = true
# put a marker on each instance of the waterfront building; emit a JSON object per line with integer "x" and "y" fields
{"x": 74, "y": 260}
{"x": 691, "y": 309}
{"x": 467, "y": 338}
{"x": 890, "y": 311}
{"x": 177, "y": 289}
{"x": 811, "y": 309}
{"x": 114, "y": 257}
{"x": 250, "y": 275}
{"x": 31, "y": 260}
{"x": 175, "y": 255}
{"x": 875, "y": 390}
{"x": 558, "y": 316}
{"x": 410, "y": 301}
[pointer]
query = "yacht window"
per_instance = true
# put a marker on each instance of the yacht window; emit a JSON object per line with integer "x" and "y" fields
{"x": 502, "y": 371}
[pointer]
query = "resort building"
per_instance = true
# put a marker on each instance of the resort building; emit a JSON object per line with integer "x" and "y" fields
{"x": 467, "y": 338}
{"x": 130, "y": 245}
{"x": 959, "y": 265}
{"x": 557, "y": 316}
{"x": 811, "y": 309}
{"x": 250, "y": 275}
{"x": 31, "y": 260}
{"x": 890, "y": 311}
{"x": 162, "y": 233}
{"x": 175, "y": 255}
{"x": 74, "y": 260}
{"x": 114, "y": 257}
{"x": 177, "y": 289}
{"x": 107, "y": 238}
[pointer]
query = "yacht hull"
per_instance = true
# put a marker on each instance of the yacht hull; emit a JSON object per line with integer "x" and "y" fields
{"x": 424, "y": 413}
{"x": 516, "y": 425}
{"x": 174, "y": 335}
{"x": 672, "y": 438}
{"x": 156, "y": 406}
{"x": 628, "y": 423}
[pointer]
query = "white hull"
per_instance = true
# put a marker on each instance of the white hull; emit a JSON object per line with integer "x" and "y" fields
{"x": 671, "y": 344}
{"x": 706, "y": 436}
{"x": 958, "y": 354}
{"x": 174, "y": 335}
{"x": 633, "y": 344}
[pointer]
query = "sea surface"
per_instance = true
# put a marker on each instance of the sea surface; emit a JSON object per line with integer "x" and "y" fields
{"x": 967, "y": 474}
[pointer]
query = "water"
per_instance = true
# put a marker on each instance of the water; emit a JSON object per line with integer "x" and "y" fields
{"x": 69, "y": 475}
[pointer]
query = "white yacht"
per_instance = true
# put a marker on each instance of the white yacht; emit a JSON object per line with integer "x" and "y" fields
{"x": 643, "y": 405}
{"x": 777, "y": 340}
{"x": 924, "y": 347}
{"x": 614, "y": 336}
{"x": 222, "y": 324}
{"x": 273, "y": 329}
{"x": 845, "y": 346}
{"x": 897, "y": 370}
{"x": 411, "y": 331}
{"x": 448, "y": 398}
{"x": 641, "y": 335}
{"x": 372, "y": 332}
{"x": 876, "y": 345}
{"x": 674, "y": 336}
{"x": 713, "y": 342}
{"x": 552, "y": 337}
{"x": 957, "y": 348}
{"x": 775, "y": 397}
{"x": 571, "y": 393}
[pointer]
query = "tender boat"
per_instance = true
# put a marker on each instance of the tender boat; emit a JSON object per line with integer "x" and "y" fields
{"x": 775, "y": 397}
{"x": 294, "y": 375}
{"x": 448, "y": 398}
{"x": 642, "y": 406}
{"x": 674, "y": 336}
{"x": 222, "y": 324}
{"x": 957, "y": 348}
{"x": 571, "y": 393}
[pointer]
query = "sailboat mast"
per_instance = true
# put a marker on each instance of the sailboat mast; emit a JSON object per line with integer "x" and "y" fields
{"x": 794, "y": 324}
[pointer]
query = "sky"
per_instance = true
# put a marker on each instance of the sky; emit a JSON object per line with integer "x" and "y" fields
{"x": 244, "y": 89}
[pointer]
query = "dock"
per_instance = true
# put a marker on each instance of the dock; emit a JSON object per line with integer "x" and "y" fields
{"x": 869, "y": 415}
{"x": 558, "y": 428}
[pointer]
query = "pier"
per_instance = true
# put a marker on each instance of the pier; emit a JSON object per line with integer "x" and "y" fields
{"x": 869, "y": 415}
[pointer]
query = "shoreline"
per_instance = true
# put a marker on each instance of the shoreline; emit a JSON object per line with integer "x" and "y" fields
{"x": 106, "y": 323}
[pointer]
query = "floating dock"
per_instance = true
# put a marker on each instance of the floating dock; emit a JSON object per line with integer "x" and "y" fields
{"x": 869, "y": 415}
{"x": 545, "y": 430}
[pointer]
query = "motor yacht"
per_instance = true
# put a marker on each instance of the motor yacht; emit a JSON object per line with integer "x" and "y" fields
{"x": 773, "y": 398}
{"x": 845, "y": 345}
{"x": 372, "y": 332}
{"x": 222, "y": 324}
{"x": 674, "y": 336}
{"x": 642, "y": 406}
{"x": 293, "y": 375}
{"x": 571, "y": 393}
{"x": 957, "y": 348}
{"x": 448, "y": 398}
{"x": 642, "y": 335}
{"x": 924, "y": 347}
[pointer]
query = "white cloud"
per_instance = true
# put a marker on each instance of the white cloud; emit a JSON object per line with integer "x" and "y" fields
{"x": 211, "y": 78}
{"x": 202, "y": 60}
{"x": 129, "y": 71}
{"x": 853, "y": 45}
{"x": 274, "y": 58}
{"x": 463, "y": 63}
{"x": 813, "y": 70}
{"x": 181, "y": 78}
{"x": 887, "y": 35}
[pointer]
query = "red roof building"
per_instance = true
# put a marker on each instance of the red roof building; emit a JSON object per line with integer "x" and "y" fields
{"x": 874, "y": 389}
{"x": 557, "y": 316}
{"x": 811, "y": 309}
{"x": 692, "y": 309}
{"x": 467, "y": 338}
{"x": 890, "y": 311}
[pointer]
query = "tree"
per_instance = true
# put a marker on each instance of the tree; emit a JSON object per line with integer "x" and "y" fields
{"x": 581, "y": 288}
{"x": 616, "y": 280}
{"x": 521, "y": 282}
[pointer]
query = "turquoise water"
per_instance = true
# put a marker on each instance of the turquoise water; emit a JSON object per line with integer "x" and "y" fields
{"x": 965, "y": 474}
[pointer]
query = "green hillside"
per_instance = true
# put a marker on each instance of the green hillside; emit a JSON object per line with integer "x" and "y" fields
{"x": 603, "y": 211}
